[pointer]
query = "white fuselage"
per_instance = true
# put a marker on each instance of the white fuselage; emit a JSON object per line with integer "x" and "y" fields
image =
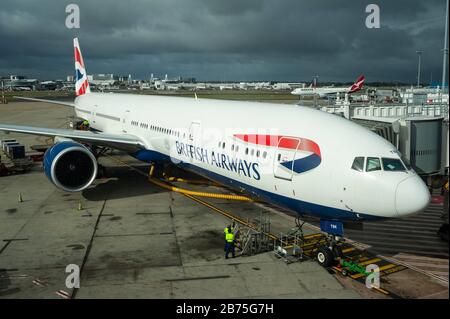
{"x": 319, "y": 91}
{"x": 205, "y": 136}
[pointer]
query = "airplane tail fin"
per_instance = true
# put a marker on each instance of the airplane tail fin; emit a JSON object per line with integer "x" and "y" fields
{"x": 81, "y": 84}
{"x": 358, "y": 84}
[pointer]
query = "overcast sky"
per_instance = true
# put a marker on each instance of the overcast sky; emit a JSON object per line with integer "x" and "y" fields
{"x": 290, "y": 40}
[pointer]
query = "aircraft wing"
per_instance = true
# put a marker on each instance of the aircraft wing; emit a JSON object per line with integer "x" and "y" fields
{"x": 124, "y": 142}
{"x": 46, "y": 101}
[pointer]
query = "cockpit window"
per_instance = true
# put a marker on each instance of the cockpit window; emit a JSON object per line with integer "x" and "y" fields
{"x": 358, "y": 164}
{"x": 393, "y": 165}
{"x": 406, "y": 163}
{"x": 373, "y": 164}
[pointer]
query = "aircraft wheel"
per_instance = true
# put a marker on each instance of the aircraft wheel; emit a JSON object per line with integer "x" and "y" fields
{"x": 325, "y": 257}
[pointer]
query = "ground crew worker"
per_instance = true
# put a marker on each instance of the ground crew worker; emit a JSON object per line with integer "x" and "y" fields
{"x": 225, "y": 232}
{"x": 229, "y": 248}
{"x": 228, "y": 230}
{"x": 84, "y": 125}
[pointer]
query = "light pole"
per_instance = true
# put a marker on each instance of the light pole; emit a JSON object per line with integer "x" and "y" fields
{"x": 444, "y": 63}
{"x": 419, "y": 53}
{"x": 315, "y": 77}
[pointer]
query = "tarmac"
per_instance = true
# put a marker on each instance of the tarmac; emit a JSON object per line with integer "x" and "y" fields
{"x": 131, "y": 239}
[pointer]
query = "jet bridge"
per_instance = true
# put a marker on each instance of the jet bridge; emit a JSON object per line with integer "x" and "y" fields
{"x": 419, "y": 139}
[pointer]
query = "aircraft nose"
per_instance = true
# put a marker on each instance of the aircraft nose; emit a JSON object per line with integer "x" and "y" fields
{"x": 412, "y": 196}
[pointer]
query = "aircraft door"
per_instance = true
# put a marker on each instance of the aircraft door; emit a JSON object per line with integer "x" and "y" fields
{"x": 125, "y": 121}
{"x": 194, "y": 133}
{"x": 94, "y": 115}
{"x": 194, "y": 138}
{"x": 284, "y": 158}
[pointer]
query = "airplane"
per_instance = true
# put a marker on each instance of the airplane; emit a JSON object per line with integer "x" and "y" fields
{"x": 323, "y": 92}
{"x": 301, "y": 159}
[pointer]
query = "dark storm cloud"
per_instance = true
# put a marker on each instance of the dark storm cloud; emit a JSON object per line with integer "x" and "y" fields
{"x": 225, "y": 40}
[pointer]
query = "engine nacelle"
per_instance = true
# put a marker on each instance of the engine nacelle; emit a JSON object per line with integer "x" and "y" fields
{"x": 70, "y": 166}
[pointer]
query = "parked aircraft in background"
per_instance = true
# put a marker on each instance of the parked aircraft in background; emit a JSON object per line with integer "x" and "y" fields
{"x": 324, "y": 91}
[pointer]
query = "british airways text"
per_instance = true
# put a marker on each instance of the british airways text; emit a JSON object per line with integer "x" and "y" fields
{"x": 239, "y": 166}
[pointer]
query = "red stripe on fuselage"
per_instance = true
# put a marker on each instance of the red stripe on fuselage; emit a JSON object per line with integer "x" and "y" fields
{"x": 293, "y": 143}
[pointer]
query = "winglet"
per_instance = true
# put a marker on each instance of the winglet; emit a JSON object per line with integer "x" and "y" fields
{"x": 81, "y": 84}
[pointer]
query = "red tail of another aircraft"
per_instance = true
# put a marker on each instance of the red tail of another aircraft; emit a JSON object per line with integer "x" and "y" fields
{"x": 358, "y": 84}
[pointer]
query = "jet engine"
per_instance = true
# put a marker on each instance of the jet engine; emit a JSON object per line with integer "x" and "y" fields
{"x": 70, "y": 166}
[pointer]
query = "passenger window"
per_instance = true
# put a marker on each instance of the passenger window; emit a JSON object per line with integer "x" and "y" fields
{"x": 373, "y": 164}
{"x": 393, "y": 165}
{"x": 358, "y": 164}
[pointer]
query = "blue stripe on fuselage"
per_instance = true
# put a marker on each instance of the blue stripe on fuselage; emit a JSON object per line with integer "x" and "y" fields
{"x": 298, "y": 206}
{"x": 303, "y": 164}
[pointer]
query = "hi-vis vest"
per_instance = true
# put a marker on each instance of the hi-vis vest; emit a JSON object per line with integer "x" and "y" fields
{"x": 229, "y": 237}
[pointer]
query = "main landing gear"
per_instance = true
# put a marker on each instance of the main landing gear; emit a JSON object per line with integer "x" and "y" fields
{"x": 99, "y": 151}
{"x": 328, "y": 253}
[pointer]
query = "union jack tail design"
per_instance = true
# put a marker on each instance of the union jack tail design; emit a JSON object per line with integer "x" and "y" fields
{"x": 81, "y": 84}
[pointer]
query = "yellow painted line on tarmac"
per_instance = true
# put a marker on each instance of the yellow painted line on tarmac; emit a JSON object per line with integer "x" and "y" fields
{"x": 229, "y": 215}
{"x": 381, "y": 290}
{"x": 371, "y": 261}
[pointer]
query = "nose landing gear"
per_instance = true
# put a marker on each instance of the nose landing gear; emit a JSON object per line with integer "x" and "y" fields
{"x": 328, "y": 253}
